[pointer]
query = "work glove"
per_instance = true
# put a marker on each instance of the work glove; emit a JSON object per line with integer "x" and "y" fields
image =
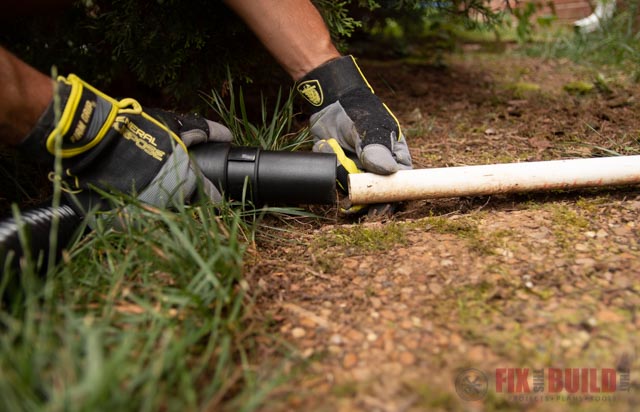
{"x": 117, "y": 146}
{"x": 344, "y": 107}
{"x": 345, "y": 167}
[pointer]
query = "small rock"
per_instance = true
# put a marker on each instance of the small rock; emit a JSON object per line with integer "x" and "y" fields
{"x": 355, "y": 336}
{"x": 388, "y": 315}
{"x": 298, "y": 333}
{"x": 446, "y": 262}
{"x": 407, "y": 358}
{"x": 406, "y": 324}
{"x": 350, "y": 360}
{"x": 621, "y": 231}
{"x": 336, "y": 339}
{"x": 581, "y": 247}
{"x": 566, "y": 288}
{"x": 412, "y": 341}
{"x": 588, "y": 262}
{"x": 415, "y": 116}
{"x": 404, "y": 270}
{"x": 309, "y": 323}
{"x": 540, "y": 143}
{"x": 504, "y": 252}
{"x": 407, "y": 291}
{"x": 606, "y": 316}
{"x": 477, "y": 354}
{"x": 435, "y": 288}
{"x": 582, "y": 337}
{"x": 334, "y": 349}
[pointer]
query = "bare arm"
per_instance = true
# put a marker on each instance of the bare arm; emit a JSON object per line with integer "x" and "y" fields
{"x": 25, "y": 95}
{"x": 292, "y": 30}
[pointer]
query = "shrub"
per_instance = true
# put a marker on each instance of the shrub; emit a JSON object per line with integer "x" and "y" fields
{"x": 166, "y": 50}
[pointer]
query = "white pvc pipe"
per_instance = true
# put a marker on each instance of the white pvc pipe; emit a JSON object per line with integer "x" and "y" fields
{"x": 365, "y": 188}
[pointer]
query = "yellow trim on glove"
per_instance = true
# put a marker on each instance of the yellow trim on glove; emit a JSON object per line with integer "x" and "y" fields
{"x": 124, "y": 106}
{"x": 371, "y": 88}
{"x": 394, "y": 118}
{"x": 171, "y": 132}
{"x": 362, "y": 74}
{"x": 351, "y": 167}
{"x": 343, "y": 159}
{"x": 70, "y": 109}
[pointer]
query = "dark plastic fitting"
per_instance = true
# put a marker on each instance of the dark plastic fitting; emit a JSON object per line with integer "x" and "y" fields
{"x": 268, "y": 177}
{"x": 271, "y": 178}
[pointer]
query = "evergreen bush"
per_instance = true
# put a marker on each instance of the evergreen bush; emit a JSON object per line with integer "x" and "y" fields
{"x": 165, "y": 51}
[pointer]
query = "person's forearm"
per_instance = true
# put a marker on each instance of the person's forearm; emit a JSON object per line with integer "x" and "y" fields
{"x": 292, "y": 30}
{"x": 24, "y": 95}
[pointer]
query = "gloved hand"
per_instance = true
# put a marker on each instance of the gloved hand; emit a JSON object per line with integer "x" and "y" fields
{"x": 345, "y": 167}
{"x": 119, "y": 146}
{"x": 344, "y": 108}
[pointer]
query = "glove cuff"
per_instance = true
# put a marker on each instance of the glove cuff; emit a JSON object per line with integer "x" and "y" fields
{"x": 325, "y": 84}
{"x": 34, "y": 144}
{"x": 85, "y": 115}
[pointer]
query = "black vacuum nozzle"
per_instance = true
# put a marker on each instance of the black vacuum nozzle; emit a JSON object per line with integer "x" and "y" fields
{"x": 268, "y": 177}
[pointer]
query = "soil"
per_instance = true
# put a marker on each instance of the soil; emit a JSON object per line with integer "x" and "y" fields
{"x": 385, "y": 314}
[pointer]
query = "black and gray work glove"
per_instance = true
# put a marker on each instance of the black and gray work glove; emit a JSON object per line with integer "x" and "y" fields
{"x": 344, "y": 107}
{"x": 117, "y": 146}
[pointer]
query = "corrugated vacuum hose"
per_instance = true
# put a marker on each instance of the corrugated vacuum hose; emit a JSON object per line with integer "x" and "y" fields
{"x": 37, "y": 228}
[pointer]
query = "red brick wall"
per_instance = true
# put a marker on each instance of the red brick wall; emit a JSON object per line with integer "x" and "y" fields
{"x": 566, "y": 10}
{"x": 570, "y": 10}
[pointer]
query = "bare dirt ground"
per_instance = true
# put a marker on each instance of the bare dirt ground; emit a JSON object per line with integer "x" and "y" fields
{"x": 385, "y": 315}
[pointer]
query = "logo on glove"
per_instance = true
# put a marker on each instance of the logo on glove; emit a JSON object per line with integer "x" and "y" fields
{"x": 142, "y": 139}
{"x": 311, "y": 91}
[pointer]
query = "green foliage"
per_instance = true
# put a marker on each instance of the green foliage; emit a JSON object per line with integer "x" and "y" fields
{"x": 276, "y": 129}
{"x": 160, "y": 51}
{"x": 337, "y": 17}
{"x": 578, "y": 87}
{"x": 616, "y": 44}
{"x": 524, "y": 28}
{"x": 363, "y": 239}
{"x": 146, "y": 318}
{"x": 164, "y": 51}
{"x": 426, "y": 28}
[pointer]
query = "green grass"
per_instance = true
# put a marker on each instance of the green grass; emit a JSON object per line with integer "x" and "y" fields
{"x": 274, "y": 131}
{"x": 152, "y": 317}
{"x": 364, "y": 239}
{"x": 467, "y": 228}
{"x": 617, "y": 44}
